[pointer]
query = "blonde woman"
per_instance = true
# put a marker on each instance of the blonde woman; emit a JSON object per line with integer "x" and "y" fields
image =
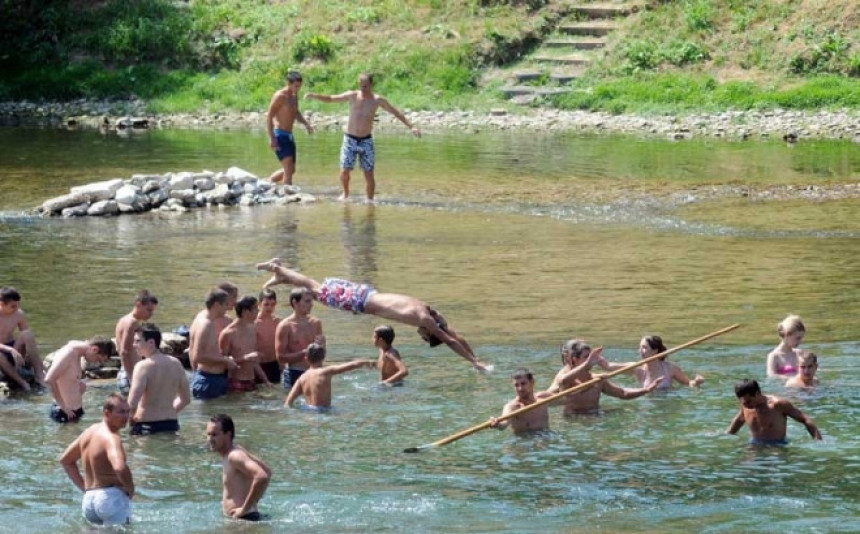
{"x": 782, "y": 360}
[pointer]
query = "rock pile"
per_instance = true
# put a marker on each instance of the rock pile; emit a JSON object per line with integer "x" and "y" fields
{"x": 178, "y": 191}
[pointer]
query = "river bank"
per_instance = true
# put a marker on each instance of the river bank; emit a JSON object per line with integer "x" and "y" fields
{"x": 791, "y": 126}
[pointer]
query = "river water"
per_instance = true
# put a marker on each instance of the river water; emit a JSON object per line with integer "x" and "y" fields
{"x": 522, "y": 241}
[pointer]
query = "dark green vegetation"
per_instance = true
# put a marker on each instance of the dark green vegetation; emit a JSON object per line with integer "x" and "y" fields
{"x": 214, "y": 55}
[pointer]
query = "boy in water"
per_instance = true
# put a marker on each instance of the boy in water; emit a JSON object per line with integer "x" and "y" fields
{"x": 239, "y": 341}
{"x": 766, "y": 416}
{"x": 807, "y": 366}
{"x": 315, "y": 383}
{"x": 266, "y": 326}
{"x": 26, "y": 353}
{"x": 64, "y": 376}
{"x": 392, "y": 370}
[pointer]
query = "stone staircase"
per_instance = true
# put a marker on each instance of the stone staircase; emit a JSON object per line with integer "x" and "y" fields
{"x": 567, "y": 54}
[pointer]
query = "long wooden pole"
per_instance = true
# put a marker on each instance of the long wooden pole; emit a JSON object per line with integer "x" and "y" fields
{"x": 574, "y": 389}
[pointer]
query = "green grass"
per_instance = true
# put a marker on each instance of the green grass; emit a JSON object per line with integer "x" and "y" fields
{"x": 219, "y": 55}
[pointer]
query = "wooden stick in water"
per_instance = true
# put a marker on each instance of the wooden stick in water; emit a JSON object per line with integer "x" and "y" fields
{"x": 574, "y": 389}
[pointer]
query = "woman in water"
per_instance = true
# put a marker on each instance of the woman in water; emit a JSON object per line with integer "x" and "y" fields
{"x": 659, "y": 369}
{"x": 782, "y": 361}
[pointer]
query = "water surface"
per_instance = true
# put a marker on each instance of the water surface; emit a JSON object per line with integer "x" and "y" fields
{"x": 522, "y": 241}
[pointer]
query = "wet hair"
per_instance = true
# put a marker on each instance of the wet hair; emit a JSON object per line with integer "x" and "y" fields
{"x": 226, "y": 423}
{"x": 150, "y": 332}
{"x": 574, "y": 347}
{"x": 244, "y": 304}
{"x": 145, "y": 297}
{"x": 656, "y": 344}
{"x": 366, "y": 76}
{"x": 229, "y": 288}
{"x": 297, "y": 293}
{"x": 9, "y": 294}
{"x": 216, "y": 296}
{"x": 385, "y": 333}
{"x": 294, "y": 76}
{"x": 103, "y": 344}
{"x": 790, "y": 325}
{"x": 268, "y": 294}
{"x": 747, "y": 387}
{"x": 807, "y": 356}
{"x": 522, "y": 372}
{"x": 111, "y": 401}
{"x": 316, "y": 353}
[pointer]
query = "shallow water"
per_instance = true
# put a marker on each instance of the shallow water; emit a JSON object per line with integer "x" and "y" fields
{"x": 522, "y": 241}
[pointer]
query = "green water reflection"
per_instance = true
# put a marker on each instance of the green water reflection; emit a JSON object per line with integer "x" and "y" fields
{"x": 522, "y": 241}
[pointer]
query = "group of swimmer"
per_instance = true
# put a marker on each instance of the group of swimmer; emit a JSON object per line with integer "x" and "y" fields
{"x": 257, "y": 347}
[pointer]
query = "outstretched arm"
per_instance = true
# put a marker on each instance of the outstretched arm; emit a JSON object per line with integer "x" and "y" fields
{"x": 593, "y": 357}
{"x": 629, "y": 393}
{"x": 349, "y": 366}
{"x": 343, "y": 97}
{"x": 383, "y": 103}
{"x": 679, "y": 376}
{"x": 789, "y": 410}
{"x": 501, "y": 425}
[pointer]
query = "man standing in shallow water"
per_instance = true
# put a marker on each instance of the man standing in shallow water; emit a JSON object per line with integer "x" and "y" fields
{"x": 766, "y": 416}
{"x": 107, "y": 483}
{"x": 245, "y": 477}
{"x": 358, "y": 139}
{"x": 282, "y": 114}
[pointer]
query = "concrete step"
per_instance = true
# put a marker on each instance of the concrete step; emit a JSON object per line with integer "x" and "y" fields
{"x": 605, "y": 10}
{"x": 593, "y": 28}
{"x": 582, "y": 43}
{"x": 560, "y": 76}
{"x": 528, "y": 90}
{"x": 568, "y": 59}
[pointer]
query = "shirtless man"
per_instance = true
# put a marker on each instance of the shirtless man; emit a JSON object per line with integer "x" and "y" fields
{"x": 144, "y": 308}
{"x": 392, "y": 369}
{"x": 362, "y": 298}
{"x": 283, "y": 112}
{"x": 358, "y": 139}
{"x": 533, "y": 421}
{"x": 210, "y": 377}
{"x": 232, "y": 296}
{"x": 807, "y": 365}
{"x": 64, "y": 376}
{"x": 578, "y": 359}
{"x": 295, "y": 333}
{"x": 266, "y": 326}
{"x": 107, "y": 483}
{"x": 315, "y": 384}
{"x": 239, "y": 341}
{"x": 159, "y": 388}
{"x": 766, "y": 416}
{"x": 26, "y": 351}
{"x": 245, "y": 477}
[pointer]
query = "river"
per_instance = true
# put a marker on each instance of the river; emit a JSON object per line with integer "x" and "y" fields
{"x": 522, "y": 241}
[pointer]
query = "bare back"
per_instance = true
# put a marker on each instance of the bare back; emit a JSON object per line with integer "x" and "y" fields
{"x": 236, "y": 478}
{"x": 95, "y": 445}
{"x": 315, "y": 385}
{"x": 203, "y": 345}
{"x": 158, "y": 381}
{"x": 125, "y": 328}
{"x": 64, "y": 376}
{"x": 400, "y": 308}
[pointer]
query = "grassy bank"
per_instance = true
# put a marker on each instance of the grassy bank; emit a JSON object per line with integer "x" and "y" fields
{"x": 217, "y": 55}
{"x": 710, "y": 55}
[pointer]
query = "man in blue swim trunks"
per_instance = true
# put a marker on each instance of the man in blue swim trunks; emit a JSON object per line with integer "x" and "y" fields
{"x": 283, "y": 113}
{"x": 358, "y": 139}
{"x": 210, "y": 375}
{"x": 362, "y": 298}
{"x": 766, "y": 416}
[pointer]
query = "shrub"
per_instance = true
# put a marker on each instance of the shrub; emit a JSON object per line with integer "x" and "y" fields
{"x": 312, "y": 46}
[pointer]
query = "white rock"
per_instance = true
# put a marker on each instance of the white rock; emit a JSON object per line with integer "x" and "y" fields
{"x": 157, "y": 197}
{"x": 240, "y": 174}
{"x": 76, "y": 211}
{"x": 182, "y": 194}
{"x": 151, "y": 186}
{"x": 204, "y": 184}
{"x": 103, "y": 207}
{"x": 181, "y": 180}
{"x": 126, "y": 194}
{"x": 66, "y": 201}
{"x": 100, "y": 190}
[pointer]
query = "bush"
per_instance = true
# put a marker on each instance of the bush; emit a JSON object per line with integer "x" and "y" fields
{"x": 312, "y": 46}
